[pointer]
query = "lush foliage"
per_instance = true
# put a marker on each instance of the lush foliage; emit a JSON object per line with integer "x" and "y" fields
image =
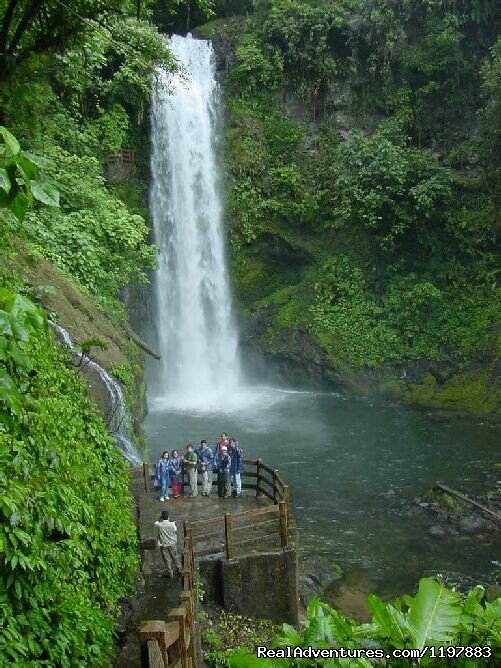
{"x": 75, "y": 80}
{"x": 20, "y": 182}
{"x": 94, "y": 236}
{"x": 67, "y": 542}
{"x": 363, "y": 148}
{"x": 73, "y": 102}
{"x": 226, "y": 633}
{"x": 435, "y": 617}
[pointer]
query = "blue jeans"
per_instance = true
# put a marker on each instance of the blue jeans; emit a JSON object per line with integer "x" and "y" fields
{"x": 165, "y": 487}
{"x": 236, "y": 479}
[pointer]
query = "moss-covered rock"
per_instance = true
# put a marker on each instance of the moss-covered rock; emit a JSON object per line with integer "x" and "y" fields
{"x": 474, "y": 391}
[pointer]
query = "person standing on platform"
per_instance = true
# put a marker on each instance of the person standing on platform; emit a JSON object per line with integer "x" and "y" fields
{"x": 223, "y": 440}
{"x": 162, "y": 475}
{"x": 224, "y": 471}
{"x": 236, "y": 467}
{"x": 190, "y": 463}
{"x": 176, "y": 474}
{"x": 205, "y": 460}
{"x": 167, "y": 542}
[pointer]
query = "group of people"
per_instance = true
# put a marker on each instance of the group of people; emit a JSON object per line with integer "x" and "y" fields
{"x": 226, "y": 460}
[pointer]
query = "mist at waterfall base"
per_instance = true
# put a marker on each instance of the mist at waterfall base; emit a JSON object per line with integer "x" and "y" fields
{"x": 349, "y": 462}
{"x": 354, "y": 467}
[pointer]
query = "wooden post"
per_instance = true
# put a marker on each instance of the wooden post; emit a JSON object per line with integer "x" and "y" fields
{"x": 285, "y": 496}
{"x": 228, "y": 532}
{"x": 179, "y": 615}
{"x": 286, "y": 501}
{"x": 188, "y": 547}
{"x": 186, "y": 599}
{"x": 162, "y": 633}
{"x": 259, "y": 478}
{"x": 275, "y": 486}
{"x": 284, "y": 530}
{"x": 145, "y": 477}
{"x": 187, "y": 576}
{"x": 155, "y": 658}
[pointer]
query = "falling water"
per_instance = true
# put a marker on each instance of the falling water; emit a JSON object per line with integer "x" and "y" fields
{"x": 197, "y": 337}
{"x": 117, "y": 416}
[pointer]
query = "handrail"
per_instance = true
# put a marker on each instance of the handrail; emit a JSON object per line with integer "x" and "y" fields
{"x": 172, "y": 643}
{"x": 261, "y": 479}
{"x": 125, "y": 155}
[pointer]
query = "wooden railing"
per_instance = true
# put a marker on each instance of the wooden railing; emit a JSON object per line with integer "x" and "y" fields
{"x": 172, "y": 643}
{"x": 123, "y": 155}
{"x": 237, "y": 534}
{"x": 264, "y": 480}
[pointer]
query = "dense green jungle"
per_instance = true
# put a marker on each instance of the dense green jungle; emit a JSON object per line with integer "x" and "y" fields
{"x": 362, "y": 150}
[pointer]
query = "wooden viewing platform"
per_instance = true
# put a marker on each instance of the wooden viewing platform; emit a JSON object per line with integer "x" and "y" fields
{"x": 208, "y": 527}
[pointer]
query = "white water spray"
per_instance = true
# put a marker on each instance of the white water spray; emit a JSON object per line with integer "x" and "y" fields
{"x": 197, "y": 337}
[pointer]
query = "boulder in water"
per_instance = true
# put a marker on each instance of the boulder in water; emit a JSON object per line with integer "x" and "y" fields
{"x": 471, "y": 524}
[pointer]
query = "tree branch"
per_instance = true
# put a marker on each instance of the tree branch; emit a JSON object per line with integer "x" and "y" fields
{"x": 24, "y": 24}
{"x": 7, "y": 20}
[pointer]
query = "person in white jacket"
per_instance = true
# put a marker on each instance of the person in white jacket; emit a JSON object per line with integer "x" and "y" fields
{"x": 167, "y": 542}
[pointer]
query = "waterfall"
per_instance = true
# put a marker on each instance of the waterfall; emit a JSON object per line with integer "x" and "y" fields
{"x": 197, "y": 337}
{"x": 116, "y": 414}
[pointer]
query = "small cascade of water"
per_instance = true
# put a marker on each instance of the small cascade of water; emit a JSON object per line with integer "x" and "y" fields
{"x": 197, "y": 337}
{"x": 117, "y": 416}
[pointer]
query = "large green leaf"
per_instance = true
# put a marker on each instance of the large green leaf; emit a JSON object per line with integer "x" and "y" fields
{"x": 9, "y": 393}
{"x": 10, "y": 146}
{"x": 390, "y": 622}
{"x": 19, "y": 357}
{"x": 4, "y": 180}
{"x": 45, "y": 193}
{"x": 38, "y": 160}
{"x": 434, "y": 615}
{"x": 318, "y": 631}
{"x": 252, "y": 661}
{"x": 26, "y": 317}
{"x": 289, "y": 636}
{"x": 5, "y": 326}
{"x": 19, "y": 204}
{"x": 26, "y": 167}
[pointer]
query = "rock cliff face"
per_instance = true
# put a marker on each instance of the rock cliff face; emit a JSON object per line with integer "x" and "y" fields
{"x": 473, "y": 390}
{"x": 279, "y": 258}
{"x": 86, "y": 323}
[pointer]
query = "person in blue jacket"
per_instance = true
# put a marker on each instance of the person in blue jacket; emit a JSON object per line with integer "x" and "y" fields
{"x": 205, "y": 462}
{"x": 176, "y": 473}
{"x": 224, "y": 471}
{"x": 236, "y": 466}
{"x": 162, "y": 475}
